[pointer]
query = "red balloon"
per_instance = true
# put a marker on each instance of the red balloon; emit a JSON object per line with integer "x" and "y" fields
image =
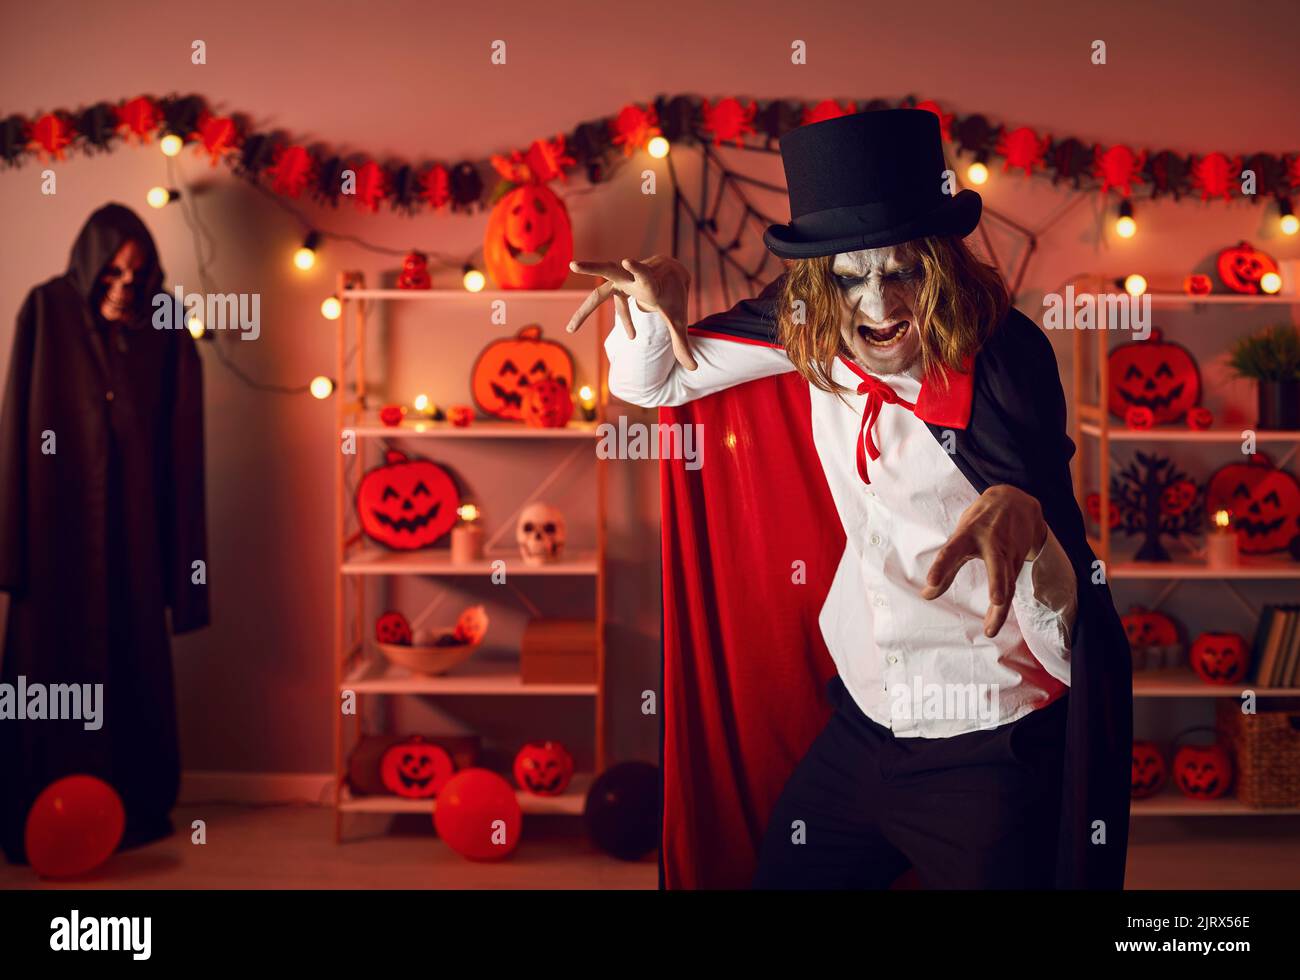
{"x": 73, "y": 827}
{"x": 478, "y": 815}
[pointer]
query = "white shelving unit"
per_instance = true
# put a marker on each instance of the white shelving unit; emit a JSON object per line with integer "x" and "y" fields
{"x": 1092, "y": 420}
{"x": 361, "y": 669}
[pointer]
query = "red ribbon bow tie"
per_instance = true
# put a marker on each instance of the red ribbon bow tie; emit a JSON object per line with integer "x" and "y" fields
{"x": 878, "y": 393}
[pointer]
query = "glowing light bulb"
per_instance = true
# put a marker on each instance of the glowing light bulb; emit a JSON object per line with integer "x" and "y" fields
{"x": 331, "y": 309}
{"x": 1270, "y": 282}
{"x": 171, "y": 144}
{"x": 421, "y": 403}
{"x": 305, "y": 257}
{"x": 657, "y": 147}
{"x": 1135, "y": 284}
{"x": 586, "y": 395}
{"x": 977, "y": 173}
{"x": 321, "y": 387}
{"x": 1287, "y": 219}
{"x": 1222, "y": 518}
{"x": 160, "y": 197}
{"x": 467, "y": 513}
{"x": 194, "y": 324}
{"x": 474, "y": 280}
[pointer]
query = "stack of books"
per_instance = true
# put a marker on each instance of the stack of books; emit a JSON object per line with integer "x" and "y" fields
{"x": 1277, "y": 646}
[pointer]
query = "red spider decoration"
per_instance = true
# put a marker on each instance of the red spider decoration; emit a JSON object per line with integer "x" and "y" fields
{"x": 728, "y": 120}
{"x": 53, "y": 133}
{"x": 634, "y": 127}
{"x": 829, "y": 109}
{"x": 547, "y": 158}
{"x": 1213, "y": 175}
{"x": 1023, "y": 148}
{"x": 141, "y": 116}
{"x": 293, "y": 171}
{"x": 1119, "y": 168}
{"x": 945, "y": 118}
{"x": 435, "y": 186}
{"x": 218, "y": 134}
{"x": 372, "y": 186}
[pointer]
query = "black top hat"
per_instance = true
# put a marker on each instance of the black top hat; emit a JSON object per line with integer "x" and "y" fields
{"x": 867, "y": 180}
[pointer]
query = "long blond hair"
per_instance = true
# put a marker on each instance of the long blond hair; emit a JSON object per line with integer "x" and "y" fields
{"x": 960, "y": 300}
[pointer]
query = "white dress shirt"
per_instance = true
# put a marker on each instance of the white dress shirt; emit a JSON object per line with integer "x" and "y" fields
{"x": 923, "y": 668}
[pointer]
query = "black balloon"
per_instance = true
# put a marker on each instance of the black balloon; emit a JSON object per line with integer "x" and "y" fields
{"x": 623, "y": 810}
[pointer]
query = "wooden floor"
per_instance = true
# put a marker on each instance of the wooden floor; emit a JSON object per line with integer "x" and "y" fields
{"x": 293, "y": 847}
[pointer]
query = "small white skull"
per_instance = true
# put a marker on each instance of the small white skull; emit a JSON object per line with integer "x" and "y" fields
{"x": 540, "y": 534}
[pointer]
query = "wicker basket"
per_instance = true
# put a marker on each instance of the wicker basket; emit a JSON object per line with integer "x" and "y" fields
{"x": 1266, "y": 749}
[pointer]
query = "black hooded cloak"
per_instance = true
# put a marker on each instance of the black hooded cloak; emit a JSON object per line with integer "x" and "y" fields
{"x": 100, "y": 535}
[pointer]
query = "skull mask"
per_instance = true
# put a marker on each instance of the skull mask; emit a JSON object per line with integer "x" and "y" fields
{"x": 117, "y": 282}
{"x": 540, "y": 534}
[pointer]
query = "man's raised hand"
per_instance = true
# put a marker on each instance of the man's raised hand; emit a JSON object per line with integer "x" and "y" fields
{"x": 657, "y": 283}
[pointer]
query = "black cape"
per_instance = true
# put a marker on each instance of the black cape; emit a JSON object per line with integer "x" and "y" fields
{"x": 100, "y": 536}
{"x": 1017, "y": 435}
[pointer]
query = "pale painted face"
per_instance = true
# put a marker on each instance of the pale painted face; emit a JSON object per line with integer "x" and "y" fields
{"x": 118, "y": 281}
{"x": 879, "y": 286}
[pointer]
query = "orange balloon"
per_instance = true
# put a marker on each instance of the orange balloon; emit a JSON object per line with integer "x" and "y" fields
{"x": 73, "y": 827}
{"x": 478, "y": 815}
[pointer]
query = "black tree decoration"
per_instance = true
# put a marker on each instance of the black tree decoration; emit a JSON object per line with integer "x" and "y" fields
{"x": 1155, "y": 498}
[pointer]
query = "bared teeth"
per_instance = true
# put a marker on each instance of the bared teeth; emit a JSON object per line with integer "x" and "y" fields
{"x": 883, "y": 337}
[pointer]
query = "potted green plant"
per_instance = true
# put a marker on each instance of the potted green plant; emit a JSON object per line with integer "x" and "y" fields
{"x": 1272, "y": 358}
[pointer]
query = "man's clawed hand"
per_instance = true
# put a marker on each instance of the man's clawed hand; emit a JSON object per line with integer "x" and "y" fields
{"x": 657, "y": 283}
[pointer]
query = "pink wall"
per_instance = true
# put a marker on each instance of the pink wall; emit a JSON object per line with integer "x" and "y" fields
{"x": 414, "y": 79}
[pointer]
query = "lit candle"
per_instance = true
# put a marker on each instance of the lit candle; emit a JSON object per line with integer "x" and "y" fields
{"x": 587, "y": 399}
{"x": 1221, "y": 542}
{"x": 467, "y": 536}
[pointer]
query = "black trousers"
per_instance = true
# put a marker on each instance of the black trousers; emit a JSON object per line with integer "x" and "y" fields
{"x": 979, "y": 810}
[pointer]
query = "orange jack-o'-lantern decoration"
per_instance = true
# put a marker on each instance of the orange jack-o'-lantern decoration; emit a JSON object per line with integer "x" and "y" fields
{"x": 548, "y": 405}
{"x": 1264, "y": 503}
{"x": 1242, "y": 266}
{"x": 543, "y": 768}
{"x": 1203, "y": 772}
{"x": 415, "y": 272}
{"x": 1147, "y": 628}
{"x": 471, "y": 625}
{"x": 1199, "y": 418}
{"x": 1139, "y": 417}
{"x": 415, "y": 769}
{"x": 1149, "y": 770}
{"x": 407, "y": 503}
{"x": 529, "y": 241}
{"x": 1177, "y": 497}
{"x": 392, "y": 627}
{"x": 1197, "y": 284}
{"x": 509, "y": 367}
{"x": 1219, "y": 658}
{"x": 1155, "y": 374}
{"x": 460, "y": 415}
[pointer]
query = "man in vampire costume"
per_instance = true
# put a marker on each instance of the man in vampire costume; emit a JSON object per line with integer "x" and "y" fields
{"x": 885, "y": 508}
{"x": 101, "y": 525}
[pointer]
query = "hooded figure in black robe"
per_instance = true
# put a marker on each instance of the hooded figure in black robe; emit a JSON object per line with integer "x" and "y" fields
{"x": 101, "y": 529}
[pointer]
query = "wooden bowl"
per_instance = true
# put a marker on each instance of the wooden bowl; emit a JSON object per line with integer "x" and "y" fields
{"x": 427, "y": 660}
